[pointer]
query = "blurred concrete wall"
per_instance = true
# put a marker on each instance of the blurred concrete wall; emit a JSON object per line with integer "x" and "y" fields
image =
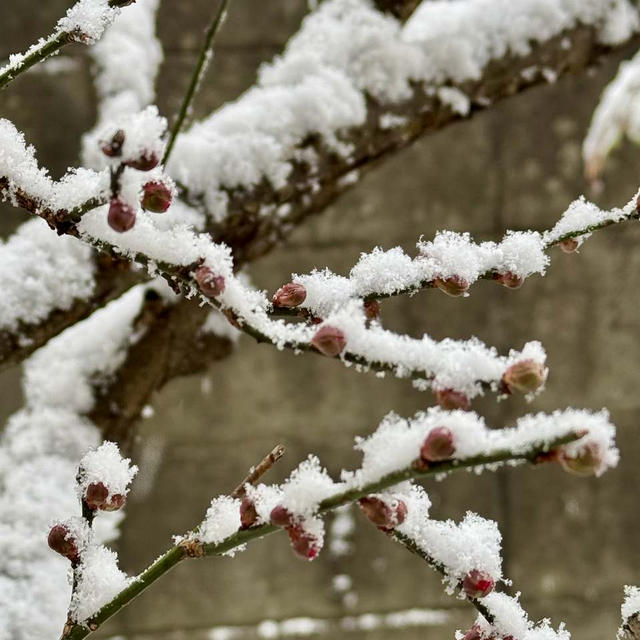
{"x": 570, "y": 544}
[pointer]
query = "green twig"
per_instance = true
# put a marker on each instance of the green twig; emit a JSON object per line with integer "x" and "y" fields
{"x": 196, "y": 78}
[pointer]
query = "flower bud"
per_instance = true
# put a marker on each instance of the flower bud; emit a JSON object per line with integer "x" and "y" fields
{"x": 384, "y": 515}
{"x": 438, "y": 445}
{"x": 570, "y": 245}
{"x": 210, "y": 284}
{"x": 586, "y": 462}
{"x": 113, "y": 148}
{"x": 290, "y": 295}
{"x": 477, "y": 584}
{"x": 95, "y": 495}
{"x": 474, "y": 633}
{"x": 372, "y": 309}
{"x": 329, "y": 341}
{"x": 156, "y": 196}
{"x": 453, "y": 285}
{"x": 121, "y": 216}
{"x": 304, "y": 543}
{"x": 281, "y": 517}
{"x": 451, "y": 399}
{"x": 248, "y": 513}
{"x": 509, "y": 279}
{"x": 116, "y": 501}
{"x": 62, "y": 541}
{"x": 146, "y": 161}
{"x": 524, "y": 376}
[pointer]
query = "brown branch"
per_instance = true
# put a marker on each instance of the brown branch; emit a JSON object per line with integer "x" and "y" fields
{"x": 401, "y": 9}
{"x": 258, "y": 471}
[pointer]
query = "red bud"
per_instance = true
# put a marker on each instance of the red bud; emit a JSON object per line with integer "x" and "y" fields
{"x": 146, "y": 161}
{"x": 329, "y": 341}
{"x": 438, "y": 445}
{"x": 121, "y": 216}
{"x": 304, "y": 543}
{"x": 453, "y": 286}
{"x": 156, "y": 196}
{"x": 524, "y": 376}
{"x": 113, "y": 148}
{"x": 509, "y": 279}
{"x": 248, "y": 513}
{"x": 62, "y": 541}
{"x": 570, "y": 245}
{"x": 477, "y": 584}
{"x": 210, "y": 284}
{"x": 372, "y": 309}
{"x": 585, "y": 463}
{"x": 475, "y": 633}
{"x": 384, "y": 515}
{"x": 281, "y": 517}
{"x": 116, "y": 501}
{"x": 290, "y": 295}
{"x": 95, "y": 495}
{"x": 451, "y": 399}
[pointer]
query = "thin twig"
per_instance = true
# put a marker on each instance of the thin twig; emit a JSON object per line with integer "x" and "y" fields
{"x": 196, "y": 78}
{"x": 178, "y": 553}
{"x": 258, "y": 471}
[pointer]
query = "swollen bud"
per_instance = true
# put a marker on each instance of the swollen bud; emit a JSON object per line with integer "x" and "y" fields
{"x": 121, "y": 216}
{"x": 585, "y": 463}
{"x": 474, "y": 633}
{"x": 477, "y": 584}
{"x": 62, "y": 541}
{"x": 329, "y": 341}
{"x": 450, "y": 399}
{"x": 570, "y": 245}
{"x": 146, "y": 161}
{"x": 453, "y": 286}
{"x": 509, "y": 279}
{"x": 304, "y": 543}
{"x": 438, "y": 445}
{"x": 383, "y": 515}
{"x": 116, "y": 501}
{"x": 281, "y": 517}
{"x": 248, "y": 513}
{"x": 290, "y": 295}
{"x": 371, "y": 309}
{"x": 210, "y": 284}
{"x": 156, "y": 196}
{"x": 524, "y": 376}
{"x": 113, "y": 148}
{"x": 95, "y": 495}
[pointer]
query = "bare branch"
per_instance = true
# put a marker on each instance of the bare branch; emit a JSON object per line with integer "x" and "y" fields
{"x": 258, "y": 471}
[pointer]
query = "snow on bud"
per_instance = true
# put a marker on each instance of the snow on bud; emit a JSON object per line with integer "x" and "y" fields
{"x": 248, "y": 513}
{"x": 570, "y": 245}
{"x": 290, "y": 295}
{"x": 371, "y": 309}
{"x": 450, "y": 399}
{"x": 121, "y": 216}
{"x": 209, "y": 283}
{"x": 329, "y": 341}
{"x": 477, "y": 584}
{"x": 453, "y": 286}
{"x": 113, "y": 148}
{"x": 62, "y": 541}
{"x": 156, "y": 196}
{"x": 525, "y": 376}
{"x": 146, "y": 161}
{"x": 509, "y": 279}
{"x": 474, "y": 633}
{"x": 384, "y": 515}
{"x": 586, "y": 462}
{"x": 438, "y": 445}
{"x": 304, "y": 543}
{"x": 281, "y": 517}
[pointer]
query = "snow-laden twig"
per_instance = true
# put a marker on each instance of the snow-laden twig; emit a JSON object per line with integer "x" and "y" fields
{"x": 309, "y": 492}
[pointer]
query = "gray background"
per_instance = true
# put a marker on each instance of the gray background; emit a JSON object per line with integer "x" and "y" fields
{"x": 570, "y": 544}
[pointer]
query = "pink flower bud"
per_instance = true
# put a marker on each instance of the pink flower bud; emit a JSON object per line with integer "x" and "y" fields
{"x": 248, "y": 513}
{"x": 121, "y": 216}
{"x": 146, "y": 161}
{"x": 586, "y": 462}
{"x": 477, "y": 584}
{"x": 329, "y": 341}
{"x": 453, "y": 286}
{"x": 62, "y": 541}
{"x": 451, "y": 399}
{"x": 524, "y": 376}
{"x": 475, "y": 633}
{"x": 290, "y": 295}
{"x": 304, "y": 543}
{"x": 509, "y": 279}
{"x": 116, "y": 501}
{"x": 438, "y": 445}
{"x": 113, "y": 148}
{"x": 372, "y": 309}
{"x": 570, "y": 245}
{"x": 281, "y": 517}
{"x": 156, "y": 196}
{"x": 382, "y": 514}
{"x": 95, "y": 495}
{"x": 210, "y": 284}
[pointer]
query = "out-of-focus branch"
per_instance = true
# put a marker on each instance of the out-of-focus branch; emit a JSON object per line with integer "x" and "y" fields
{"x": 401, "y": 9}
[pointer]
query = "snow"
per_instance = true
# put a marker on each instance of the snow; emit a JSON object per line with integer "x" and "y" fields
{"x": 106, "y": 465}
{"x": 630, "y": 605}
{"x": 87, "y": 20}
{"x": 221, "y": 520}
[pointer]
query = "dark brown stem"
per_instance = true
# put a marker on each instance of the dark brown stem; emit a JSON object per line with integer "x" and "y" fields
{"x": 258, "y": 471}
